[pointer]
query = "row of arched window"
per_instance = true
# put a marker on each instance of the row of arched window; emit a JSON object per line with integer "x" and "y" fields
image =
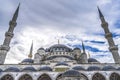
{"x": 97, "y": 76}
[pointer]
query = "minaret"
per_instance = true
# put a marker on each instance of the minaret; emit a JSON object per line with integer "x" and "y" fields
{"x": 8, "y": 36}
{"x": 31, "y": 50}
{"x": 84, "y": 55}
{"x": 108, "y": 35}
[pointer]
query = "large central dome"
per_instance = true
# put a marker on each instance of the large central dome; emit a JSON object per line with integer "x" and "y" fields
{"x": 59, "y": 48}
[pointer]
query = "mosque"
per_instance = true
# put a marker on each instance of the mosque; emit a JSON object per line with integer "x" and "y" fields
{"x": 59, "y": 62}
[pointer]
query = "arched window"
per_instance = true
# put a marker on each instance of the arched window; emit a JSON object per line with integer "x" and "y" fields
{"x": 25, "y": 77}
{"x": 7, "y": 77}
{"x": 59, "y": 77}
{"x": 44, "y": 77}
{"x": 98, "y": 76}
{"x": 83, "y": 77}
{"x": 115, "y": 76}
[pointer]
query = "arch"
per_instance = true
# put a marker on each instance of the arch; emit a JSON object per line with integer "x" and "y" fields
{"x": 59, "y": 77}
{"x": 114, "y": 76}
{"x": 7, "y": 77}
{"x": 44, "y": 77}
{"x": 98, "y": 76}
{"x": 83, "y": 77}
{"x": 25, "y": 77}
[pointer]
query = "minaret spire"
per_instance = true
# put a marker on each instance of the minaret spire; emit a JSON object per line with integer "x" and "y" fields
{"x": 108, "y": 35}
{"x": 83, "y": 47}
{"x": 84, "y": 55}
{"x": 16, "y": 14}
{"x": 8, "y": 36}
{"x": 100, "y": 13}
{"x": 31, "y": 50}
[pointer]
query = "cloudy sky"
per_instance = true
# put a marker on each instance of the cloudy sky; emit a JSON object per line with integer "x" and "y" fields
{"x": 70, "y": 21}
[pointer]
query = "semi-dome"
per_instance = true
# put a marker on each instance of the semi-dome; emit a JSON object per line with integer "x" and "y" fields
{"x": 29, "y": 69}
{"x": 27, "y": 61}
{"x": 61, "y": 63}
{"x": 71, "y": 73}
{"x": 45, "y": 68}
{"x": 79, "y": 68}
{"x": 12, "y": 69}
{"x": 59, "y": 47}
{"x": 108, "y": 68}
{"x": 92, "y": 60}
{"x": 93, "y": 68}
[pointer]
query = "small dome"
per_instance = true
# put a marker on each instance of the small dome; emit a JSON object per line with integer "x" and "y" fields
{"x": 76, "y": 48}
{"x": 27, "y": 61}
{"x": 28, "y": 69}
{"x": 79, "y": 68}
{"x": 41, "y": 48}
{"x": 93, "y": 68}
{"x": 71, "y": 73}
{"x": 61, "y": 63}
{"x": 91, "y": 60}
{"x": 12, "y": 69}
{"x": 1, "y": 70}
{"x": 45, "y": 68}
{"x": 108, "y": 68}
{"x": 118, "y": 68}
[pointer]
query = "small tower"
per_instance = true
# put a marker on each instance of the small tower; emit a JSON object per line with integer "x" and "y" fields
{"x": 5, "y": 47}
{"x": 31, "y": 51}
{"x": 84, "y": 55}
{"x": 108, "y": 35}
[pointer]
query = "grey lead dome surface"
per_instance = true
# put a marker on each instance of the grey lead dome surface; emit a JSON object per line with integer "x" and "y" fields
{"x": 59, "y": 47}
{"x": 71, "y": 73}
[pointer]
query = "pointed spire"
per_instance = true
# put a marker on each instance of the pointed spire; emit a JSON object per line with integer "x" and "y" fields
{"x": 31, "y": 50}
{"x": 100, "y": 13}
{"x": 83, "y": 47}
{"x": 58, "y": 41}
{"x": 16, "y": 14}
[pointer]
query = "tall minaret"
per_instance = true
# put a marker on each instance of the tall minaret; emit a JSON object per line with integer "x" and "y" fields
{"x": 84, "y": 55}
{"x": 31, "y": 50}
{"x": 4, "y": 48}
{"x": 108, "y": 35}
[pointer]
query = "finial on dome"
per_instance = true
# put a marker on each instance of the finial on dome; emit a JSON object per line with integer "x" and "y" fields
{"x": 58, "y": 41}
{"x": 31, "y": 50}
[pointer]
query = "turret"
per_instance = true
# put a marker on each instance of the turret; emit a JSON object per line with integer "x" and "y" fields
{"x": 84, "y": 55}
{"x": 8, "y": 36}
{"x": 31, "y": 50}
{"x": 108, "y": 35}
